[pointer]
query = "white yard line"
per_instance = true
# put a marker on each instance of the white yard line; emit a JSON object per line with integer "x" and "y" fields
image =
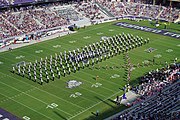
{"x": 71, "y": 93}
{"x": 91, "y": 84}
{"x": 46, "y": 92}
{"x": 86, "y": 73}
{"x": 91, "y": 106}
{"x": 65, "y": 35}
{"x": 18, "y": 95}
{"x": 32, "y": 97}
{"x": 27, "y": 107}
{"x": 89, "y": 74}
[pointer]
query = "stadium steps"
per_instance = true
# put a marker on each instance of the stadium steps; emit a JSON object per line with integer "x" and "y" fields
{"x": 10, "y": 24}
{"x": 21, "y": 18}
{"x": 159, "y": 14}
{"x": 38, "y": 22}
{"x": 104, "y": 10}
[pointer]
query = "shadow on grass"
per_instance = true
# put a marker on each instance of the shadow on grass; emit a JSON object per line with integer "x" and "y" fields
{"x": 106, "y": 114}
{"x": 62, "y": 117}
{"x": 105, "y": 102}
{"x": 112, "y": 101}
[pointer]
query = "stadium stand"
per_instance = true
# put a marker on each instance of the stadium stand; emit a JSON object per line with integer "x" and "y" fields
{"x": 159, "y": 90}
{"x": 90, "y": 10}
{"x": 137, "y": 9}
{"x": 31, "y": 19}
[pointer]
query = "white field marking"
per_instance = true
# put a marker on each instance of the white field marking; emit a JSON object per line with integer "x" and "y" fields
{"x": 110, "y": 30}
{"x": 107, "y": 73}
{"x": 3, "y": 76}
{"x": 73, "y": 34}
{"x": 169, "y": 50}
{"x": 70, "y": 45}
{"x": 96, "y": 85}
{"x": 53, "y": 50}
{"x": 115, "y": 76}
{"x": 100, "y": 33}
{"x": 99, "y": 78}
{"x": 52, "y": 105}
{"x": 145, "y": 62}
{"x": 20, "y": 57}
{"x": 178, "y": 45}
{"x": 55, "y": 95}
{"x": 33, "y": 97}
{"x": 26, "y": 118}
{"x": 38, "y": 51}
{"x": 1, "y": 63}
{"x": 45, "y": 91}
{"x": 92, "y": 106}
{"x": 87, "y": 37}
{"x": 75, "y": 95}
{"x": 95, "y": 69}
{"x": 158, "y": 56}
{"x": 27, "y": 107}
{"x": 73, "y": 41}
{"x": 18, "y": 95}
{"x": 87, "y": 81}
{"x": 69, "y": 92}
{"x": 56, "y": 46}
{"x": 88, "y": 89}
{"x": 133, "y": 68}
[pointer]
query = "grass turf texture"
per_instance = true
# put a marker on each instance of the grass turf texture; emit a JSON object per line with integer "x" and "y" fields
{"x": 23, "y": 97}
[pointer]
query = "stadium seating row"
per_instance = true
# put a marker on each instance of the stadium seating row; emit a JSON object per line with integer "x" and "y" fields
{"x": 31, "y": 19}
{"x": 159, "y": 96}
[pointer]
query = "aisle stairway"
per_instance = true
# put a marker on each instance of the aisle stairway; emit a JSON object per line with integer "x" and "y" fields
{"x": 104, "y": 10}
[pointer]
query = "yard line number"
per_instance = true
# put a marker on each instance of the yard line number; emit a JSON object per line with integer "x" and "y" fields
{"x": 75, "y": 95}
{"x": 26, "y": 118}
{"x": 52, "y": 105}
{"x": 96, "y": 85}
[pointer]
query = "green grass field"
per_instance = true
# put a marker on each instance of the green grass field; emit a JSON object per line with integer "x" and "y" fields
{"x": 23, "y": 97}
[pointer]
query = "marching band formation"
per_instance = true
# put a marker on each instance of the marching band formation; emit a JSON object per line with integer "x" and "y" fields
{"x": 64, "y": 63}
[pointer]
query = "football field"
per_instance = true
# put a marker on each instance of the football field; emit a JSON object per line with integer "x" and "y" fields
{"x": 54, "y": 101}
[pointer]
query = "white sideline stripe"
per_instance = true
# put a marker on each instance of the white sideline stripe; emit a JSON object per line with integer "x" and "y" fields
{"x": 32, "y": 97}
{"x": 17, "y": 95}
{"x": 45, "y": 92}
{"x": 65, "y": 36}
{"x": 49, "y": 93}
{"x": 70, "y": 93}
{"x": 92, "y": 106}
{"x": 56, "y": 51}
{"x": 27, "y": 107}
{"x": 85, "y": 80}
{"x": 100, "y": 78}
{"x": 53, "y": 95}
{"x": 88, "y": 89}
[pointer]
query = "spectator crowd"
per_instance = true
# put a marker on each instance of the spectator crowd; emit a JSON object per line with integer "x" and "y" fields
{"x": 159, "y": 96}
{"x": 24, "y": 20}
